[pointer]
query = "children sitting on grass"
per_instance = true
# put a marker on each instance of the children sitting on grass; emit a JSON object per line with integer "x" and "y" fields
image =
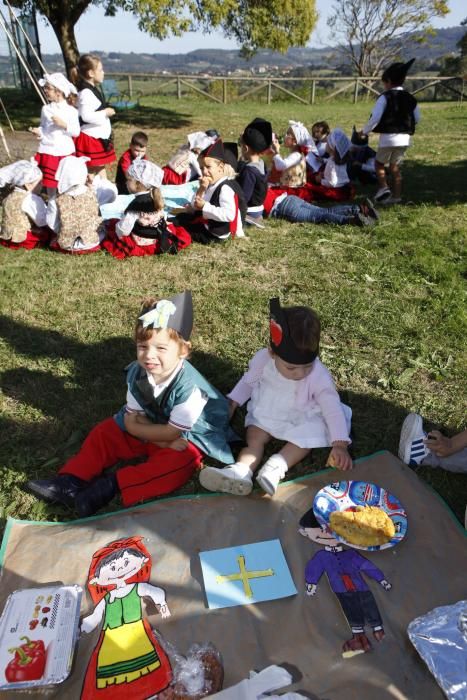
{"x": 136, "y": 149}
{"x": 171, "y": 418}
{"x": 394, "y": 117}
{"x": 218, "y": 208}
{"x": 291, "y": 398}
{"x": 252, "y": 176}
{"x": 74, "y": 213}
{"x": 184, "y": 166}
{"x": 58, "y": 127}
{"x": 143, "y": 230}
{"x": 316, "y": 156}
{"x": 291, "y": 170}
{"x": 22, "y": 208}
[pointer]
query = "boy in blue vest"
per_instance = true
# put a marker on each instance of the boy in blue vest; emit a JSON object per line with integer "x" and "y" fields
{"x": 394, "y": 117}
{"x": 171, "y": 419}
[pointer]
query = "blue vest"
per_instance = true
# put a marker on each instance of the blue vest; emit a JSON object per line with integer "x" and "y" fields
{"x": 211, "y": 431}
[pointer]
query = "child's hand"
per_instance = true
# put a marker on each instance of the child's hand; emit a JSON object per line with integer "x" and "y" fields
{"x": 198, "y": 202}
{"x": 35, "y": 130}
{"x": 441, "y": 445}
{"x": 109, "y": 111}
{"x": 339, "y": 457}
{"x": 204, "y": 182}
{"x": 59, "y": 122}
{"x": 275, "y": 146}
{"x": 179, "y": 445}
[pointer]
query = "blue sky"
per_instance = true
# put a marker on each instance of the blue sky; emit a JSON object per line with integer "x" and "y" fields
{"x": 96, "y": 32}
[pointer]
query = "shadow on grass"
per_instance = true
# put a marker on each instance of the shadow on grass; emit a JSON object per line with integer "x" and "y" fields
{"x": 152, "y": 117}
{"x": 435, "y": 184}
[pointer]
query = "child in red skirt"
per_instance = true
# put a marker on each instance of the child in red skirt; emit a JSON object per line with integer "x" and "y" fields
{"x": 171, "y": 418}
{"x": 143, "y": 230}
{"x": 333, "y": 181}
{"x": 95, "y": 139}
{"x": 291, "y": 170}
{"x": 58, "y": 127}
{"x": 22, "y": 208}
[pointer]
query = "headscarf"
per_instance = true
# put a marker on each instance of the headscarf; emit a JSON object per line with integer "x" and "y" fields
{"x": 147, "y": 173}
{"x": 20, "y": 173}
{"x": 339, "y": 141}
{"x": 71, "y": 171}
{"x": 302, "y": 135}
{"x": 143, "y": 575}
{"x": 198, "y": 139}
{"x": 58, "y": 80}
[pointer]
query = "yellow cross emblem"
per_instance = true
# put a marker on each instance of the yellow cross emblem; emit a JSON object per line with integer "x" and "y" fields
{"x": 244, "y": 576}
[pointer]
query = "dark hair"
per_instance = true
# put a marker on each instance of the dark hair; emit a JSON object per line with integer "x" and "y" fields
{"x": 324, "y": 126}
{"x": 117, "y": 554}
{"x": 143, "y": 334}
{"x": 304, "y": 327}
{"x": 212, "y": 133}
{"x": 140, "y": 139}
{"x": 86, "y": 63}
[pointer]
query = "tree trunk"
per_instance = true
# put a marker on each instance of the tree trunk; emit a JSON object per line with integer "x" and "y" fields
{"x": 65, "y": 34}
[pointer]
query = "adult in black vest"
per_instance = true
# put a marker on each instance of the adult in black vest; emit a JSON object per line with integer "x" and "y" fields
{"x": 394, "y": 117}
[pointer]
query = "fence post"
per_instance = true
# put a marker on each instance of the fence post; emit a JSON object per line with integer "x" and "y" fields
{"x": 313, "y": 92}
{"x": 269, "y": 92}
{"x": 224, "y": 91}
{"x": 130, "y": 86}
{"x": 179, "y": 89}
{"x": 355, "y": 92}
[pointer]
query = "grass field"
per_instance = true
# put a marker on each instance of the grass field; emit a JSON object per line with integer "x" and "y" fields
{"x": 391, "y": 300}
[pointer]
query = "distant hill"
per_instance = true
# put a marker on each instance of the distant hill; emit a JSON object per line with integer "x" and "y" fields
{"x": 296, "y": 61}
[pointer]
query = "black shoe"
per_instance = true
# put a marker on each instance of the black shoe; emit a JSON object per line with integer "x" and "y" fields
{"x": 368, "y": 209}
{"x": 96, "y": 495}
{"x": 61, "y": 489}
{"x": 361, "y": 220}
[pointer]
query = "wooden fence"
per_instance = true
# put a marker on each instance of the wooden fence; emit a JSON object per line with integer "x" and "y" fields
{"x": 225, "y": 89}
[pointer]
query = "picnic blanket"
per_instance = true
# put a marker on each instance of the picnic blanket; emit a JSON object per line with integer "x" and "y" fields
{"x": 426, "y": 570}
{"x": 174, "y": 196}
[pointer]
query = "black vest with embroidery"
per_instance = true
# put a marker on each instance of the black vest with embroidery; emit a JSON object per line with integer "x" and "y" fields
{"x": 220, "y": 228}
{"x": 398, "y": 117}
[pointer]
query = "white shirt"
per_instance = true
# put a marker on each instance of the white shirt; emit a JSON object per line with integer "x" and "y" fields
{"x": 227, "y": 209}
{"x": 34, "y": 207}
{"x": 334, "y": 175}
{"x": 183, "y": 415}
{"x": 55, "y": 140}
{"x": 97, "y": 123}
{"x": 293, "y": 158}
{"x": 106, "y": 191}
{"x": 388, "y": 140}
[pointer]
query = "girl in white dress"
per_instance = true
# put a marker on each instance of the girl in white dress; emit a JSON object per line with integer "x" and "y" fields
{"x": 292, "y": 397}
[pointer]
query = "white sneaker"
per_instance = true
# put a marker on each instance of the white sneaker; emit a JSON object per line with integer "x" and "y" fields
{"x": 235, "y": 479}
{"x": 382, "y": 194}
{"x": 412, "y": 449}
{"x": 271, "y": 474}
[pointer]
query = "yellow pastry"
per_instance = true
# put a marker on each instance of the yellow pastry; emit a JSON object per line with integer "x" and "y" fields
{"x": 366, "y": 526}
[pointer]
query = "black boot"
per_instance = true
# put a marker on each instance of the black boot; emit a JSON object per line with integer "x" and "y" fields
{"x": 63, "y": 489}
{"x": 96, "y": 495}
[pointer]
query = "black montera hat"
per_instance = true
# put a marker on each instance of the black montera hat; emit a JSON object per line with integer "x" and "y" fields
{"x": 175, "y": 313}
{"x": 357, "y": 139}
{"x": 396, "y": 73}
{"x": 231, "y": 154}
{"x": 309, "y": 519}
{"x": 281, "y": 340}
{"x": 258, "y": 135}
{"x": 215, "y": 150}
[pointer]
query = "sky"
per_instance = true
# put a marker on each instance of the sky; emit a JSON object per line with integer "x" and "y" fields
{"x": 94, "y": 31}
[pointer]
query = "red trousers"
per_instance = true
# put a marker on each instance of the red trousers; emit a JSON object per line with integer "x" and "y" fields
{"x": 162, "y": 471}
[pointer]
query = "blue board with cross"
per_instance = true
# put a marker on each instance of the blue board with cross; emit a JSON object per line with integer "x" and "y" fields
{"x": 249, "y": 573}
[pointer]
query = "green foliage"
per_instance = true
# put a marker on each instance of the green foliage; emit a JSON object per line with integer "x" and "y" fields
{"x": 374, "y": 32}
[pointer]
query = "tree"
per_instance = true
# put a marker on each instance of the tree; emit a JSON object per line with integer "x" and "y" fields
{"x": 273, "y": 24}
{"x": 374, "y": 32}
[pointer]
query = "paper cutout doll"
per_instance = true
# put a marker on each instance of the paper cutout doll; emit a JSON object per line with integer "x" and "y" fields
{"x": 127, "y": 661}
{"x": 344, "y": 568}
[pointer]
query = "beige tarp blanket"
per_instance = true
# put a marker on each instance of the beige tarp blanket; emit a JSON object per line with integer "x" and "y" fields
{"x": 427, "y": 569}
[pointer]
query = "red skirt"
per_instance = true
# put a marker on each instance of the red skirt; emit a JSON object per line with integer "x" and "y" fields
{"x": 48, "y": 164}
{"x": 127, "y": 247}
{"x": 173, "y": 178}
{"x": 335, "y": 194}
{"x": 38, "y": 238}
{"x": 93, "y": 149}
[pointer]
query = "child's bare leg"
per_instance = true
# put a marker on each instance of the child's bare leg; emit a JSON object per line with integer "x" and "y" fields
{"x": 256, "y": 440}
{"x": 277, "y": 465}
{"x": 396, "y": 180}
{"x": 237, "y": 478}
{"x": 380, "y": 171}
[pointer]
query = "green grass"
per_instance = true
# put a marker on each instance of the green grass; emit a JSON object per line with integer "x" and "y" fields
{"x": 392, "y": 303}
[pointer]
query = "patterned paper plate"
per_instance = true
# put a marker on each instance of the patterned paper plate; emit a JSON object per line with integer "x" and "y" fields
{"x": 347, "y": 495}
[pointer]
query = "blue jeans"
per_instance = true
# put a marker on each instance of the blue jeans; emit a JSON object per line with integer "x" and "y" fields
{"x": 298, "y": 211}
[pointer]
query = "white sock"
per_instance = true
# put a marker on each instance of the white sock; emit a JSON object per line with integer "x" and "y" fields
{"x": 243, "y": 470}
{"x": 276, "y": 460}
